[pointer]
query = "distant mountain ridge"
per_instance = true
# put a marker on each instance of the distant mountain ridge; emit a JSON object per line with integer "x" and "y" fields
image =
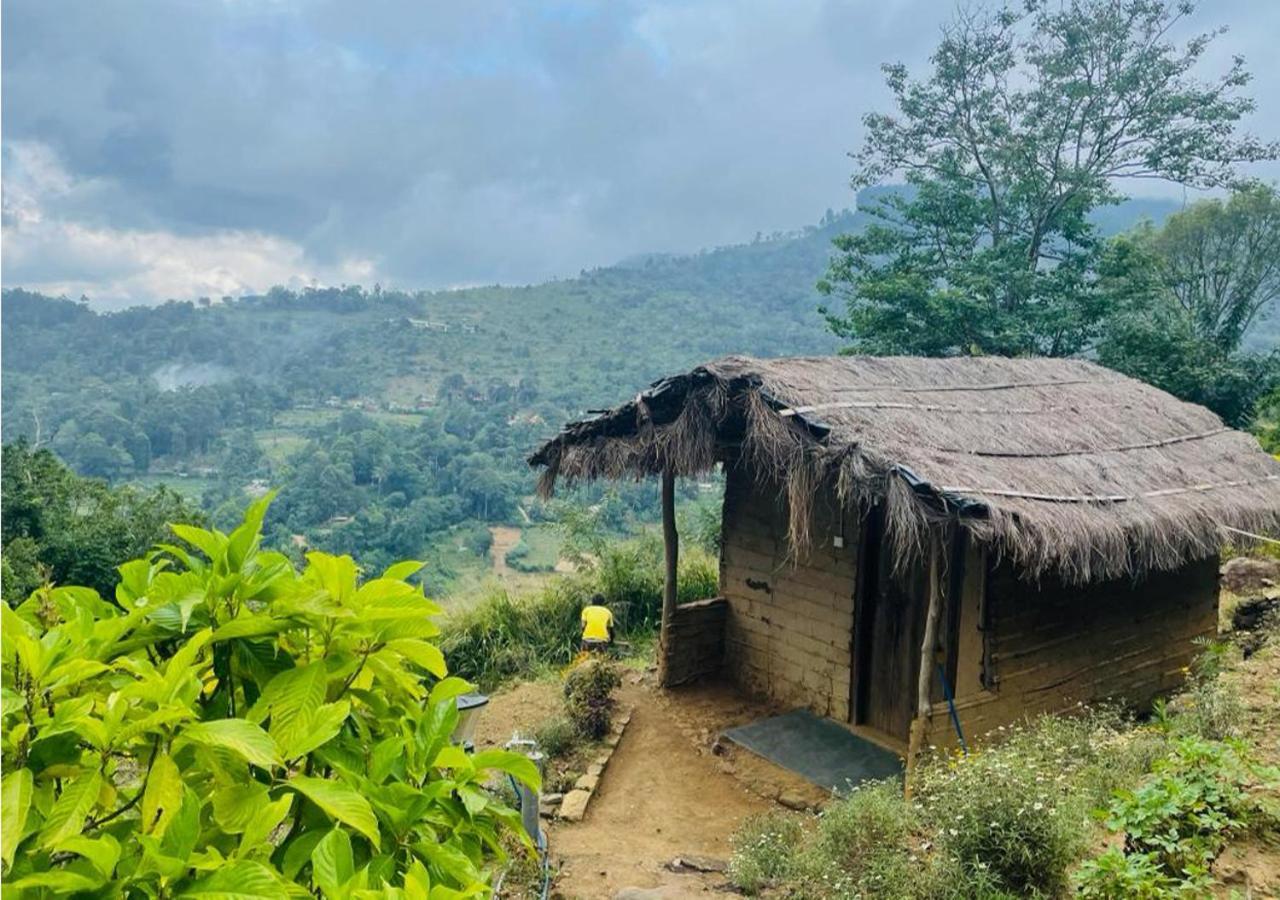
{"x": 585, "y": 341}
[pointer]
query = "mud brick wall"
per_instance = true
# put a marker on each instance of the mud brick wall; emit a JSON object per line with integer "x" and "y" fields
{"x": 1054, "y": 645}
{"x": 789, "y": 627}
{"x": 696, "y": 640}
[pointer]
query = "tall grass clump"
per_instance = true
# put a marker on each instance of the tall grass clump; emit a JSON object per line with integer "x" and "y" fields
{"x": 1209, "y": 708}
{"x": 862, "y": 846}
{"x": 764, "y": 851}
{"x": 502, "y": 636}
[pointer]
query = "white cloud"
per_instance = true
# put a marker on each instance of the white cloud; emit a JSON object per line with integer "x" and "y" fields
{"x": 46, "y": 251}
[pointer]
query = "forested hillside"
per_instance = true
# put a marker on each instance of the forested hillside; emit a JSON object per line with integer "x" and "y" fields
{"x": 386, "y": 416}
{"x": 389, "y": 417}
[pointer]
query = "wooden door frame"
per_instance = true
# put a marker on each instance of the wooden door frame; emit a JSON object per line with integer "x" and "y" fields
{"x": 866, "y": 581}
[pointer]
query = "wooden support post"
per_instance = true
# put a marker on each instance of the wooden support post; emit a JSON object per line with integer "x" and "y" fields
{"x": 928, "y": 652}
{"x": 671, "y": 547}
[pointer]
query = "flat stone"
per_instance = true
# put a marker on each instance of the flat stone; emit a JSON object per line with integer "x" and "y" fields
{"x": 574, "y": 806}
{"x": 793, "y": 800}
{"x": 636, "y": 893}
{"x": 555, "y": 797}
{"x": 690, "y": 863}
{"x": 587, "y": 782}
{"x": 612, "y": 740}
{"x": 595, "y": 770}
{"x": 603, "y": 759}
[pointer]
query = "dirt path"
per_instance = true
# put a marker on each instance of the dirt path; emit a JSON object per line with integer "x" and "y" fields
{"x": 504, "y": 538}
{"x": 660, "y": 798}
{"x": 666, "y": 792}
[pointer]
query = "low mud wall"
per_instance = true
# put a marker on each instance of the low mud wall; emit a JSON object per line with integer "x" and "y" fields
{"x": 695, "y": 643}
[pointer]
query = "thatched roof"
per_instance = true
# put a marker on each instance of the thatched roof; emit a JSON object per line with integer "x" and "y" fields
{"x": 1058, "y": 463}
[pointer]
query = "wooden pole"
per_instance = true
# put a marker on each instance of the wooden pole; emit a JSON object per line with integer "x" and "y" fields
{"x": 671, "y": 548}
{"x": 928, "y": 649}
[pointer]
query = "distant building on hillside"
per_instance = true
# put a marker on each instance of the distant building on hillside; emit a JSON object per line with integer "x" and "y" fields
{"x": 905, "y": 536}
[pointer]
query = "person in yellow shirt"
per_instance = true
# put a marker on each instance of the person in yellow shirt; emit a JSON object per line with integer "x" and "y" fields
{"x": 597, "y": 625}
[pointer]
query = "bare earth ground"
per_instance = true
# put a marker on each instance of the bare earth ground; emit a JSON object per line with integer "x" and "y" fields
{"x": 665, "y": 794}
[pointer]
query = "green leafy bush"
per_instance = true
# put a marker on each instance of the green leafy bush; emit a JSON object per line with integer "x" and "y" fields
{"x": 1181, "y": 817}
{"x": 232, "y": 726}
{"x": 764, "y": 849}
{"x": 588, "y": 696}
{"x": 1116, "y": 875}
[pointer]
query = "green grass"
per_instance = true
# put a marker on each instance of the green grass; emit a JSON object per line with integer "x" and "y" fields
{"x": 498, "y": 635}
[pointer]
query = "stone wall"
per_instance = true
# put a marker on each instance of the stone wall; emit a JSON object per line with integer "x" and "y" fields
{"x": 790, "y": 622}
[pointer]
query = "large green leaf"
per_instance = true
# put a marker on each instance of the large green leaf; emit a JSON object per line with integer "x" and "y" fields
{"x": 448, "y": 688}
{"x": 291, "y": 699}
{"x": 402, "y": 570}
{"x": 210, "y": 543}
{"x": 235, "y": 805}
{"x": 103, "y": 852}
{"x": 245, "y": 538}
{"x": 250, "y": 625}
{"x": 15, "y": 803}
{"x": 421, "y": 653}
{"x": 62, "y": 882}
{"x": 515, "y": 764}
{"x": 71, "y": 809}
{"x": 162, "y": 797}
{"x": 332, "y": 864}
{"x": 263, "y": 823}
{"x": 240, "y": 880}
{"x": 237, "y": 735}
{"x": 339, "y": 801}
{"x": 323, "y": 726}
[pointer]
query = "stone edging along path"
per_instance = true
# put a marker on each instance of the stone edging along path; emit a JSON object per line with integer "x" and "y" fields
{"x": 574, "y": 804}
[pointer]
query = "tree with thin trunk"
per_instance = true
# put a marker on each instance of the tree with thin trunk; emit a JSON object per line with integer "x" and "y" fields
{"x": 1028, "y": 122}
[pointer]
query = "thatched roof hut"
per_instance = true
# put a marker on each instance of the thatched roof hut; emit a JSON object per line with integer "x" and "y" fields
{"x": 914, "y": 543}
{"x": 1057, "y": 463}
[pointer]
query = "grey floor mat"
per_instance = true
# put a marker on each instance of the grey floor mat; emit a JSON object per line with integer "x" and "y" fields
{"x": 822, "y": 751}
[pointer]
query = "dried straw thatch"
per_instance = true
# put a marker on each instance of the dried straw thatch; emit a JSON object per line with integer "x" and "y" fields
{"x": 1057, "y": 463}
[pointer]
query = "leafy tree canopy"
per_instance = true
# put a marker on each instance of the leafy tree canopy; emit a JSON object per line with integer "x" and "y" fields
{"x": 60, "y": 527}
{"x": 1028, "y": 122}
{"x": 1188, "y": 295}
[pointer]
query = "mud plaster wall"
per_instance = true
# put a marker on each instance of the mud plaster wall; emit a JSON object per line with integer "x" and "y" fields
{"x": 1050, "y": 646}
{"x": 789, "y": 626}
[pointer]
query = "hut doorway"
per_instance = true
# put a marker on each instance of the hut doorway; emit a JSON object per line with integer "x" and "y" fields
{"x": 888, "y": 629}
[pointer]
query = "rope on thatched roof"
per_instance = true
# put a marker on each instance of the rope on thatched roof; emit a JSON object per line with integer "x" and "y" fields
{"x": 1249, "y": 534}
{"x": 941, "y": 388}
{"x": 1106, "y": 498}
{"x": 940, "y": 407}
{"x": 1088, "y": 451}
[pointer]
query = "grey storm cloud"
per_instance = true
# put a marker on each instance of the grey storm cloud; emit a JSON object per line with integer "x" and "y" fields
{"x": 157, "y": 148}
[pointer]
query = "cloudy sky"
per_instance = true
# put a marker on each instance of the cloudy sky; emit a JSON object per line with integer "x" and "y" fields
{"x": 178, "y": 148}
